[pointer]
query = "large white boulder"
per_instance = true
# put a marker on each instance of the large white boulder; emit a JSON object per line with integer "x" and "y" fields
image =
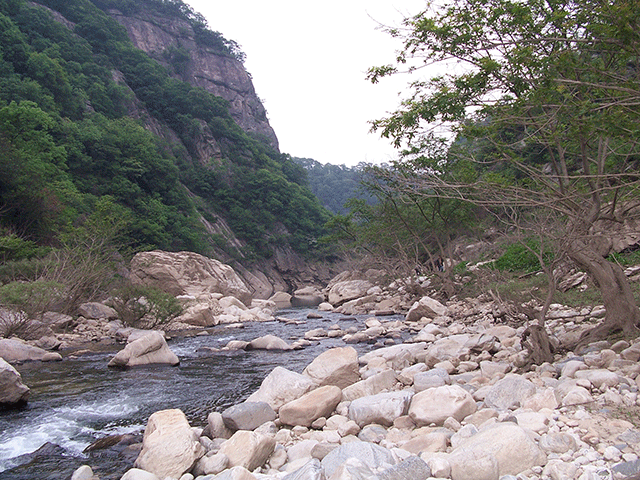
{"x": 170, "y": 447}
{"x": 342, "y": 292}
{"x": 12, "y": 390}
{"x": 337, "y": 366}
{"x": 435, "y": 405}
{"x": 150, "y": 348}
{"x": 281, "y": 386}
{"x": 187, "y": 273}
{"x": 507, "y": 444}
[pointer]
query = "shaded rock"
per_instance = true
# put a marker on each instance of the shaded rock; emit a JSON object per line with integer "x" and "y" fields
{"x": 235, "y": 473}
{"x": 12, "y": 391}
{"x": 16, "y": 350}
{"x": 311, "y": 406}
{"x": 268, "y": 342}
{"x": 248, "y": 415}
{"x": 510, "y": 392}
{"x": 435, "y": 405}
{"x": 170, "y": 447}
{"x": 216, "y": 427}
{"x": 370, "y": 454}
{"x": 436, "y": 377}
{"x": 413, "y": 467}
{"x": 96, "y": 310}
{"x": 557, "y": 443}
{"x": 312, "y": 470}
{"x": 381, "y": 409}
{"x": 151, "y": 348}
{"x": 248, "y": 449}
{"x": 337, "y": 366}
{"x": 281, "y": 386}
{"x": 187, "y": 273}
{"x": 211, "y": 464}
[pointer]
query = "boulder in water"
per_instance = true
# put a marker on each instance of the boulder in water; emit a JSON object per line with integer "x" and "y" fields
{"x": 150, "y": 348}
{"x": 12, "y": 391}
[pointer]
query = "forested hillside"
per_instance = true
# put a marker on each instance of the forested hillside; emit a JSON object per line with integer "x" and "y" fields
{"x": 90, "y": 125}
{"x": 335, "y": 184}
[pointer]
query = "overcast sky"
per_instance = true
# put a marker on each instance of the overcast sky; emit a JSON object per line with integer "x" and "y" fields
{"x": 308, "y": 60}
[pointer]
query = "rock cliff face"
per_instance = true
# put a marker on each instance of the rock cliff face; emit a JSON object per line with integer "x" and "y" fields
{"x": 221, "y": 75}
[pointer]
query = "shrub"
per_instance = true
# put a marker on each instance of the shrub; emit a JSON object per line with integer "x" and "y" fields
{"x": 521, "y": 257}
{"x": 147, "y": 307}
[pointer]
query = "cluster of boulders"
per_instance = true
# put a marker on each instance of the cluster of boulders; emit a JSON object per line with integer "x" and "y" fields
{"x": 449, "y": 403}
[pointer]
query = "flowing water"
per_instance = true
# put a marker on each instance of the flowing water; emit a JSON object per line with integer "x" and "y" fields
{"x": 75, "y": 402}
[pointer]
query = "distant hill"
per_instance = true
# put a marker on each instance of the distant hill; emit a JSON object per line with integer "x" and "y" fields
{"x": 334, "y": 184}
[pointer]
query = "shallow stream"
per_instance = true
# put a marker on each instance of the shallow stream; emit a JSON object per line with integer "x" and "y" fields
{"x": 75, "y": 402}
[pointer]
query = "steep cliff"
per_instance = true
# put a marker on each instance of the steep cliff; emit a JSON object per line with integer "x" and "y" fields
{"x": 164, "y": 39}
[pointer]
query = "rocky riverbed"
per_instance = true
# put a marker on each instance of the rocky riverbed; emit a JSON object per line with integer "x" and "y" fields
{"x": 447, "y": 403}
{"x": 373, "y": 384}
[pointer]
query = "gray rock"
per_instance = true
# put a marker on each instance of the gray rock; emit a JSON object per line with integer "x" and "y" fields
{"x": 436, "y": 377}
{"x": 96, "y": 310}
{"x": 557, "y": 443}
{"x": 248, "y": 415}
{"x": 413, "y": 467}
{"x": 510, "y": 392}
{"x": 372, "y": 455}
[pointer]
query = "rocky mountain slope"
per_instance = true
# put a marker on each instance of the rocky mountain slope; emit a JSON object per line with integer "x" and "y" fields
{"x": 142, "y": 113}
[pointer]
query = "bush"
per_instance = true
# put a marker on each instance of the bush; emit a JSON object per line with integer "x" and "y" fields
{"x": 520, "y": 257}
{"x": 144, "y": 307}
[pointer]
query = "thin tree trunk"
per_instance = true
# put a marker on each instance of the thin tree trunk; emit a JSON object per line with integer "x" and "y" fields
{"x": 622, "y": 313}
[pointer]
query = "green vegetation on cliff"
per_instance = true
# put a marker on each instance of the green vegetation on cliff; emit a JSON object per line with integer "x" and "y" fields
{"x": 71, "y": 137}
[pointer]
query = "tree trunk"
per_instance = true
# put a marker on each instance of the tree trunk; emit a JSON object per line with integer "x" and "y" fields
{"x": 622, "y": 313}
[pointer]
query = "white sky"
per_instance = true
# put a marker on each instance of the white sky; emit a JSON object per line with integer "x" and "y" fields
{"x": 308, "y": 60}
